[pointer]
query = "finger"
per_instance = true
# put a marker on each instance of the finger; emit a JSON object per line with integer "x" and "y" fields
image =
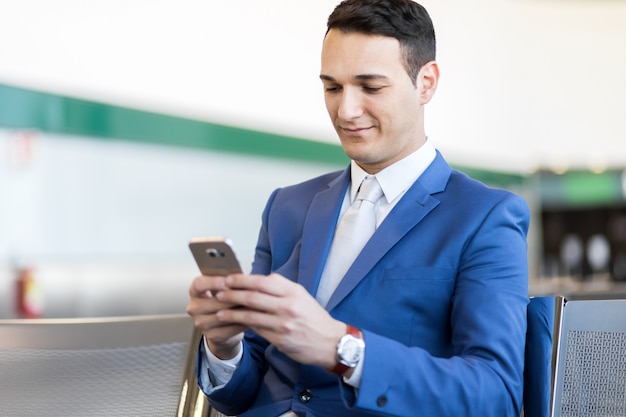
{"x": 251, "y": 318}
{"x": 203, "y": 286}
{"x": 201, "y": 306}
{"x": 211, "y": 325}
{"x": 273, "y": 284}
{"x": 253, "y": 300}
{"x": 206, "y": 320}
{"x": 218, "y": 335}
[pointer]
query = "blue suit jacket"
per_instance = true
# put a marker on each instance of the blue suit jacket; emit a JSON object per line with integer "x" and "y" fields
{"x": 440, "y": 292}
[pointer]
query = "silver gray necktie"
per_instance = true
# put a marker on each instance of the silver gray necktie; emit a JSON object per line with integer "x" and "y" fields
{"x": 353, "y": 231}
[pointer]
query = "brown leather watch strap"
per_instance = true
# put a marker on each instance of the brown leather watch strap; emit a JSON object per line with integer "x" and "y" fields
{"x": 339, "y": 367}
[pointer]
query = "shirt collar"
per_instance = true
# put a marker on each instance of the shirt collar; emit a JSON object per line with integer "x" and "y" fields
{"x": 398, "y": 177}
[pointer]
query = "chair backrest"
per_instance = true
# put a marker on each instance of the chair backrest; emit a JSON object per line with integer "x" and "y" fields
{"x": 543, "y": 315}
{"x": 119, "y": 366}
{"x": 590, "y": 375}
{"x": 575, "y": 358}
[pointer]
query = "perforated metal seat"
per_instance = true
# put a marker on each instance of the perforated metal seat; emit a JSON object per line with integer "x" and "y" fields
{"x": 591, "y": 363}
{"x": 120, "y": 366}
{"x": 575, "y": 358}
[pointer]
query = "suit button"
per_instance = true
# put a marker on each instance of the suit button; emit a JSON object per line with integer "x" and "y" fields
{"x": 305, "y": 395}
{"x": 381, "y": 401}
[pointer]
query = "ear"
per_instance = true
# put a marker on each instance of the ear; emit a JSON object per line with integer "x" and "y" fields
{"x": 427, "y": 80}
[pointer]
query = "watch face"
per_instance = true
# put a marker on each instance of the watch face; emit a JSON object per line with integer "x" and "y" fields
{"x": 350, "y": 350}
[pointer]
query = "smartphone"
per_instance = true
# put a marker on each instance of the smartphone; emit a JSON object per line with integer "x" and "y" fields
{"x": 214, "y": 256}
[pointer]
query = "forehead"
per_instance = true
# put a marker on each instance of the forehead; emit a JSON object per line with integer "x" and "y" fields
{"x": 352, "y": 54}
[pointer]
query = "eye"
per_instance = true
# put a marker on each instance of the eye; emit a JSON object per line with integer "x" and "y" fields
{"x": 332, "y": 89}
{"x": 371, "y": 90}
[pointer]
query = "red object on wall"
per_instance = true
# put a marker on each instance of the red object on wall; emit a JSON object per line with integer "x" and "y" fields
{"x": 29, "y": 300}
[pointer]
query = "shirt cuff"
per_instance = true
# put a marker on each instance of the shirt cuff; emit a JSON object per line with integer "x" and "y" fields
{"x": 355, "y": 378}
{"x": 221, "y": 371}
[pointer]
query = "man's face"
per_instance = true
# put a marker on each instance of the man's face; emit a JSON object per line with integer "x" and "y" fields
{"x": 373, "y": 104}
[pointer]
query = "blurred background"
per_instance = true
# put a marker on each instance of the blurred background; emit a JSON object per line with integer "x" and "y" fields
{"x": 129, "y": 127}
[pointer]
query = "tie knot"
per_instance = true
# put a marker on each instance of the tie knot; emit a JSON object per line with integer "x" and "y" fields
{"x": 370, "y": 190}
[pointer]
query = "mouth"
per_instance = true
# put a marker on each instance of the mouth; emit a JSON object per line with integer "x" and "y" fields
{"x": 355, "y": 130}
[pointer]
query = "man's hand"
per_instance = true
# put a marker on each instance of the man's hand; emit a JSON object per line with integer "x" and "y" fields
{"x": 279, "y": 310}
{"x": 223, "y": 338}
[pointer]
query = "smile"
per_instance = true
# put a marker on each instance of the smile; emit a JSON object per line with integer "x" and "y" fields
{"x": 355, "y": 130}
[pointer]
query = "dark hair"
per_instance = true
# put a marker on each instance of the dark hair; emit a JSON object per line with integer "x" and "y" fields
{"x": 404, "y": 20}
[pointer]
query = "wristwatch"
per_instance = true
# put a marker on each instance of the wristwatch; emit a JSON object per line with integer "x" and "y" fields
{"x": 350, "y": 350}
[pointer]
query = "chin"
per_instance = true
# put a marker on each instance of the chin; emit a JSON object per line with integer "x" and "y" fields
{"x": 363, "y": 158}
{"x": 356, "y": 154}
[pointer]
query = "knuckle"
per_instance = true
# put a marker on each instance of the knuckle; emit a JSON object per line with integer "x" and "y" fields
{"x": 194, "y": 288}
{"x": 192, "y": 308}
{"x": 291, "y": 308}
{"x": 286, "y": 327}
{"x": 252, "y": 298}
{"x": 249, "y": 317}
{"x": 189, "y": 310}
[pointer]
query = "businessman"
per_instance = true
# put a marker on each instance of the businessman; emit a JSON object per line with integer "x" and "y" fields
{"x": 423, "y": 316}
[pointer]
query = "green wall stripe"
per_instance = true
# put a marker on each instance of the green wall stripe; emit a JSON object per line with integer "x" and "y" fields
{"x": 22, "y": 108}
{"x": 28, "y": 109}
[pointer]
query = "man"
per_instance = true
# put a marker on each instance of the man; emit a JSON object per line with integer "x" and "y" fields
{"x": 430, "y": 318}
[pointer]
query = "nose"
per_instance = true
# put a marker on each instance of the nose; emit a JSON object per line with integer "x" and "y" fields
{"x": 350, "y": 105}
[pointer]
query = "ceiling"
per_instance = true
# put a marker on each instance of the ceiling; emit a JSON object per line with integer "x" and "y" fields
{"x": 525, "y": 84}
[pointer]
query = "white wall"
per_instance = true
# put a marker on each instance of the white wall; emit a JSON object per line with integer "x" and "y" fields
{"x": 525, "y": 83}
{"x": 106, "y": 223}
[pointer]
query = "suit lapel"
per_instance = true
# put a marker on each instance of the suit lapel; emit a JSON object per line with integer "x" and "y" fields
{"x": 319, "y": 228}
{"x": 410, "y": 210}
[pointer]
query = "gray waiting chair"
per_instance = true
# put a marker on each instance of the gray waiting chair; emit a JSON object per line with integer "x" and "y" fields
{"x": 118, "y": 366}
{"x": 575, "y": 358}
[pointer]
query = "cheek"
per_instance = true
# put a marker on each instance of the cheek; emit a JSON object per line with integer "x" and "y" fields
{"x": 383, "y": 114}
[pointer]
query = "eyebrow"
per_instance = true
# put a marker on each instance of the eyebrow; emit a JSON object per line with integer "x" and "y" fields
{"x": 362, "y": 77}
